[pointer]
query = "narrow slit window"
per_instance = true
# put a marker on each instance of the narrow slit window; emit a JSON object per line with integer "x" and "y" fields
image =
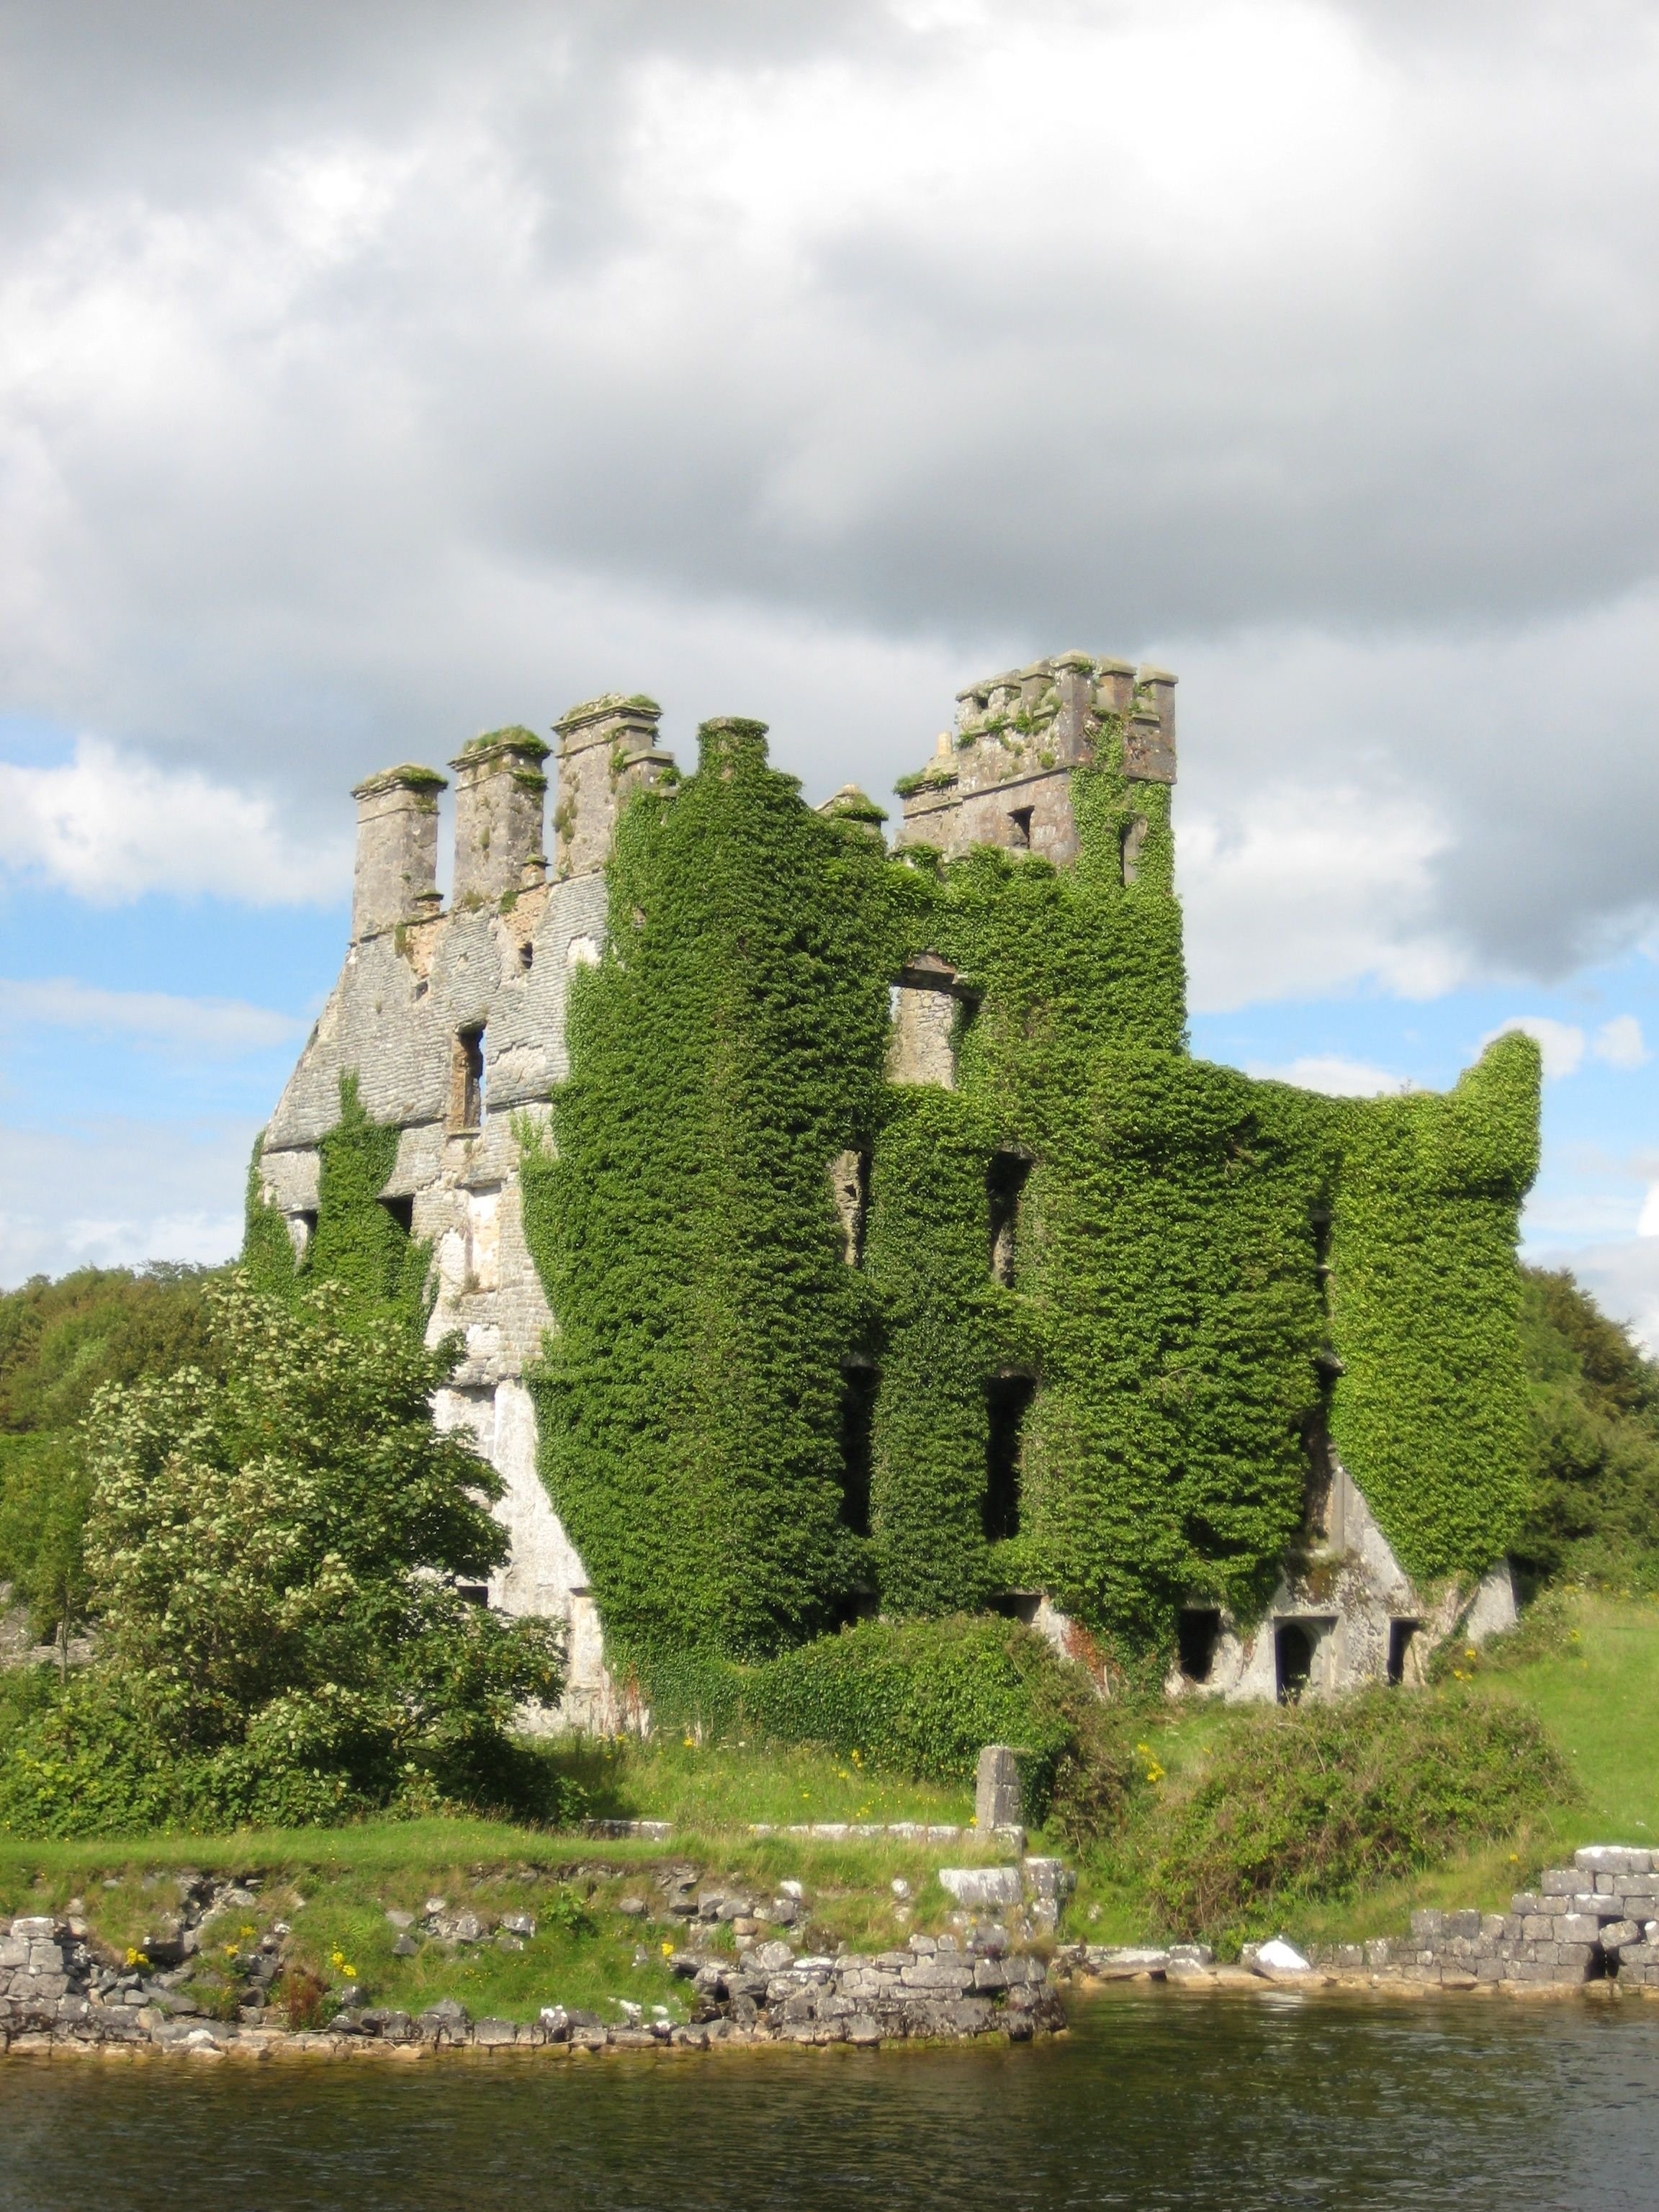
{"x": 1134, "y": 836}
{"x": 466, "y": 1108}
{"x": 1005, "y": 1182}
{"x": 858, "y": 1429}
{"x": 1008, "y": 1403}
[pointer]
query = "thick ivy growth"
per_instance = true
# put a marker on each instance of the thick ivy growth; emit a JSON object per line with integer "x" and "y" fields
{"x": 1104, "y": 1288}
{"x": 1431, "y": 1413}
{"x": 727, "y": 1051}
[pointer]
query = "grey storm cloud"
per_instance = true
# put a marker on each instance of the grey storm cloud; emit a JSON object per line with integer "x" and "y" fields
{"x": 371, "y": 374}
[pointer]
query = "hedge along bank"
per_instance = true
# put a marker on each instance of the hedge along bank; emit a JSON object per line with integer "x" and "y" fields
{"x": 836, "y": 1228}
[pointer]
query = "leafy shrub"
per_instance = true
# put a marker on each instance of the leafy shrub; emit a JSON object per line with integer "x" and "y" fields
{"x": 273, "y": 1551}
{"x": 1317, "y": 1801}
{"x": 1593, "y": 1513}
{"x": 921, "y": 1698}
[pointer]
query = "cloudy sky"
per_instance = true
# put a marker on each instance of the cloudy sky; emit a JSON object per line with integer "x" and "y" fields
{"x": 373, "y": 376}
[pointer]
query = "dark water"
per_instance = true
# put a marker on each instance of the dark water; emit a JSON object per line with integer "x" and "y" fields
{"x": 1157, "y": 2099}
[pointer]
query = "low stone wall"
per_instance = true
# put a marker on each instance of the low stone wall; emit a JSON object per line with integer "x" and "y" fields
{"x": 1593, "y": 1923}
{"x": 1596, "y": 1920}
{"x": 55, "y": 1991}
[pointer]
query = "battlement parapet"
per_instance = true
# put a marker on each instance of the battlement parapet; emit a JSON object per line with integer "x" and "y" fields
{"x": 1003, "y": 777}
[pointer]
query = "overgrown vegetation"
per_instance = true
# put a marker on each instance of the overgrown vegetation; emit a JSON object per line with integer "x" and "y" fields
{"x": 1593, "y": 1512}
{"x": 60, "y": 1344}
{"x": 1320, "y": 1801}
{"x": 919, "y": 1698}
{"x": 360, "y": 1245}
{"x": 746, "y": 1438}
{"x": 274, "y": 1548}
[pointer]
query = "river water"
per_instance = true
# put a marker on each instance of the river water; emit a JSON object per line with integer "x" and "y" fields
{"x": 1158, "y": 2099}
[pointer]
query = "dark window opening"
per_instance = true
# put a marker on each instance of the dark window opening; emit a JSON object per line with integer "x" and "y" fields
{"x": 402, "y": 1210}
{"x": 1400, "y": 1634}
{"x": 854, "y": 1606}
{"x": 1018, "y": 1605}
{"x": 1019, "y": 820}
{"x": 466, "y": 1105}
{"x": 858, "y": 1429}
{"x": 1198, "y": 1631}
{"x": 1008, "y": 1401}
{"x": 1293, "y": 1654}
{"x": 1134, "y": 836}
{"x": 473, "y": 1592}
{"x": 1004, "y": 1180}
{"x": 302, "y": 1234}
{"x": 526, "y": 955}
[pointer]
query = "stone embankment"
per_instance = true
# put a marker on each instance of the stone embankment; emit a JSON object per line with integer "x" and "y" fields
{"x": 59, "y": 1986}
{"x": 1593, "y": 1924}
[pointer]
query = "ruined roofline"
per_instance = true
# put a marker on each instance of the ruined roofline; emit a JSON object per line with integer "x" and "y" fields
{"x": 1003, "y": 778}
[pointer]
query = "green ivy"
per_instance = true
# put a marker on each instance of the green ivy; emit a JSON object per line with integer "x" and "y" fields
{"x": 1431, "y": 1413}
{"x": 1196, "y": 1255}
{"x": 359, "y": 1242}
{"x": 727, "y": 1049}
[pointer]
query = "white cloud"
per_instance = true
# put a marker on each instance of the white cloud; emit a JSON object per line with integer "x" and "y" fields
{"x": 1337, "y": 1077}
{"x": 1647, "y": 1222}
{"x": 1294, "y": 890}
{"x": 366, "y": 376}
{"x": 211, "y": 1026}
{"x": 1561, "y": 1043}
{"x": 1623, "y": 1277}
{"x": 109, "y": 825}
{"x": 1620, "y": 1043}
{"x": 118, "y": 1191}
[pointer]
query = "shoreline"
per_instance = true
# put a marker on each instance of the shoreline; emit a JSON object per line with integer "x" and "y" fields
{"x": 215, "y": 2043}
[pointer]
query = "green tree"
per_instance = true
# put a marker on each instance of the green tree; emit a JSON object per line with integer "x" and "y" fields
{"x": 275, "y": 1551}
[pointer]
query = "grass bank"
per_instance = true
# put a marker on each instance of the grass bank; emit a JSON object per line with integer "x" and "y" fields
{"x": 1586, "y": 1667}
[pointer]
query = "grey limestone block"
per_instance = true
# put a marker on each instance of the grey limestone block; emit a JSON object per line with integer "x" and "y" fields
{"x": 1576, "y": 1962}
{"x": 1613, "y": 1859}
{"x": 1527, "y": 1904}
{"x": 996, "y": 1793}
{"x": 1560, "y": 1881}
{"x": 1616, "y": 1934}
{"x": 1427, "y": 1925}
{"x": 1576, "y": 1928}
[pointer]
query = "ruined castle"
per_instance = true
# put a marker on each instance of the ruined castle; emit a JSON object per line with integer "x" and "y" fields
{"x": 452, "y": 1020}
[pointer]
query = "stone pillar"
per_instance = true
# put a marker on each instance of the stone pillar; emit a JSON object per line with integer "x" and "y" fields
{"x": 607, "y": 750}
{"x": 396, "y": 864}
{"x": 500, "y": 791}
{"x": 996, "y": 1789}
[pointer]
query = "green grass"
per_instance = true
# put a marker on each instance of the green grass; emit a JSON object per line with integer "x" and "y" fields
{"x": 722, "y": 1785}
{"x": 1588, "y": 1666}
{"x": 335, "y": 1886}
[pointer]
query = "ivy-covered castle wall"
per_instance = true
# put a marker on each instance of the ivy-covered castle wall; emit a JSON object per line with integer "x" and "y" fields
{"x": 886, "y": 1249}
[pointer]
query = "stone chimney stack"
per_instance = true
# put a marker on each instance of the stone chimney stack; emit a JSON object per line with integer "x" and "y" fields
{"x": 500, "y": 791}
{"x": 607, "y": 750}
{"x": 396, "y": 846}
